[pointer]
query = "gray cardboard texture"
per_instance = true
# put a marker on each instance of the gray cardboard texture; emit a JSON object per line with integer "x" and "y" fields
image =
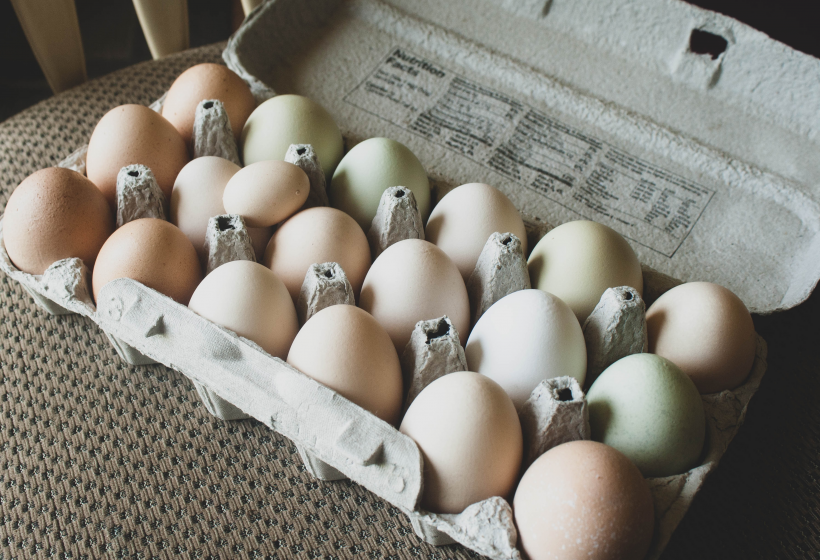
{"x": 212, "y": 135}
{"x": 138, "y": 195}
{"x": 501, "y": 270}
{"x": 707, "y": 177}
{"x": 397, "y": 218}
{"x": 304, "y": 157}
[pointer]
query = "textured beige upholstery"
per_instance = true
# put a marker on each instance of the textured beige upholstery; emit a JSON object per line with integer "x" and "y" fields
{"x": 102, "y": 459}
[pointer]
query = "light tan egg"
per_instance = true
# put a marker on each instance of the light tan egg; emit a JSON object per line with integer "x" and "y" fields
{"x": 464, "y": 219}
{"x": 131, "y": 134}
{"x": 578, "y": 261}
{"x": 55, "y": 214}
{"x": 414, "y": 281}
{"x": 266, "y": 192}
{"x": 706, "y": 331}
{"x": 153, "y": 252}
{"x": 583, "y": 500}
{"x": 197, "y": 196}
{"x": 469, "y": 435}
{"x": 347, "y": 350}
{"x": 207, "y": 81}
{"x": 318, "y": 235}
{"x": 250, "y": 300}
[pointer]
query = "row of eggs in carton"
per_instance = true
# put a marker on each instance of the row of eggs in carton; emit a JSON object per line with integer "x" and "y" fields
{"x": 573, "y": 309}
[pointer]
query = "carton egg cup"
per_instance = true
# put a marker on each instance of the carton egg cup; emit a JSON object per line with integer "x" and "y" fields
{"x": 336, "y": 438}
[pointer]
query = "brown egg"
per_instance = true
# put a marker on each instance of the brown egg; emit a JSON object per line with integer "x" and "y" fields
{"x": 197, "y": 196}
{"x": 55, "y": 214}
{"x": 468, "y": 432}
{"x": 266, "y": 192}
{"x": 347, "y": 350}
{"x": 134, "y": 134}
{"x": 152, "y": 252}
{"x": 207, "y": 81}
{"x": 414, "y": 281}
{"x": 584, "y": 500}
{"x": 318, "y": 235}
{"x": 706, "y": 331}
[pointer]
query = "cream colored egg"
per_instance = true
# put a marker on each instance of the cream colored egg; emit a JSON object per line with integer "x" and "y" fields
{"x": 347, "y": 350}
{"x": 464, "y": 219}
{"x": 250, "y": 300}
{"x": 291, "y": 119}
{"x": 266, "y": 192}
{"x": 578, "y": 261}
{"x": 197, "y": 196}
{"x": 524, "y": 338}
{"x": 705, "y": 330}
{"x": 371, "y": 167}
{"x": 414, "y": 281}
{"x": 469, "y": 435}
{"x": 584, "y": 500}
{"x": 318, "y": 235}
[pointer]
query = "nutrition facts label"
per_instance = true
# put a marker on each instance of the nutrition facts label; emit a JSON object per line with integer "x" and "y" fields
{"x": 596, "y": 180}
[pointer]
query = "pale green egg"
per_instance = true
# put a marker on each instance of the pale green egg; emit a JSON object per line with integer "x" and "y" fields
{"x": 371, "y": 167}
{"x": 648, "y": 409}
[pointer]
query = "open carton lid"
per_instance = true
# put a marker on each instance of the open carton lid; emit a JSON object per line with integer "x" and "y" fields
{"x": 693, "y": 135}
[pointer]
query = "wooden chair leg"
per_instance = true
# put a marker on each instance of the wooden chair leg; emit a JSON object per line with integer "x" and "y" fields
{"x": 165, "y": 25}
{"x": 53, "y": 31}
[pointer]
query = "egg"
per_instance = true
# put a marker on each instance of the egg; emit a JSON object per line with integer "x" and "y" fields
{"x": 464, "y": 219}
{"x": 412, "y": 281}
{"x": 346, "y": 349}
{"x": 706, "y": 331}
{"x": 291, "y": 119}
{"x": 470, "y": 438}
{"x": 197, "y": 196}
{"x": 583, "y": 500}
{"x": 55, "y": 214}
{"x": 266, "y": 192}
{"x": 371, "y": 167}
{"x": 644, "y": 406}
{"x": 250, "y": 300}
{"x": 153, "y": 252}
{"x": 524, "y": 338}
{"x": 579, "y": 260}
{"x": 131, "y": 134}
{"x": 318, "y": 235}
{"x": 207, "y": 81}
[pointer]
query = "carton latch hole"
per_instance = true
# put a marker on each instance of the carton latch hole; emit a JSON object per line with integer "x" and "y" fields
{"x": 328, "y": 273}
{"x": 565, "y": 395}
{"x": 507, "y": 240}
{"x": 627, "y": 296}
{"x": 441, "y": 330}
{"x": 703, "y": 42}
{"x": 399, "y": 193}
{"x": 223, "y": 223}
{"x": 134, "y": 173}
{"x": 301, "y": 151}
{"x": 209, "y": 104}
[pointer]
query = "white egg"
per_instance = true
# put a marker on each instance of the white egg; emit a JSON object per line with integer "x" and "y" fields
{"x": 525, "y": 338}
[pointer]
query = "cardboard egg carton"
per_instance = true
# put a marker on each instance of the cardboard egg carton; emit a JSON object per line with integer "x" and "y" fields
{"x": 558, "y": 118}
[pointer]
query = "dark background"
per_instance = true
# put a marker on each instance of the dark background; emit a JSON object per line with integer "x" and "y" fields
{"x": 113, "y": 39}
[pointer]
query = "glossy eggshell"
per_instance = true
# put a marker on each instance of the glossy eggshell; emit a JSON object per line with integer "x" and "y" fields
{"x": 291, "y": 119}
{"x": 55, "y": 214}
{"x": 131, "y": 134}
{"x": 583, "y": 500}
{"x": 414, "y": 281}
{"x": 647, "y": 408}
{"x": 706, "y": 331}
{"x": 318, "y": 235}
{"x": 266, "y": 192}
{"x": 197, "y": 196}
{"x": 578, "y": 261}
{"x": 464, "y": 219}
{"x": 371, "y": 167}
{"x": 207, "y": 81}
{"x": 250, "y": 300}
{"x": 345, "y": 348}
{"x": 524, "y": 338}
{"x": 470, "y": 438}
{"x": 153, "y": 252}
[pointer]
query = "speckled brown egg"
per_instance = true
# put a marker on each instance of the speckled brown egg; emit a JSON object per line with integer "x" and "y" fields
{"x": 207, "y": 81}
{"x": 706, "y": 331}
{"x": 55, "y": 214}
{"x": 131, "y": 134}
{"x": 318, "y": 235}
{"x": 153, "y": 252}
{"x": 583, "y": 500}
